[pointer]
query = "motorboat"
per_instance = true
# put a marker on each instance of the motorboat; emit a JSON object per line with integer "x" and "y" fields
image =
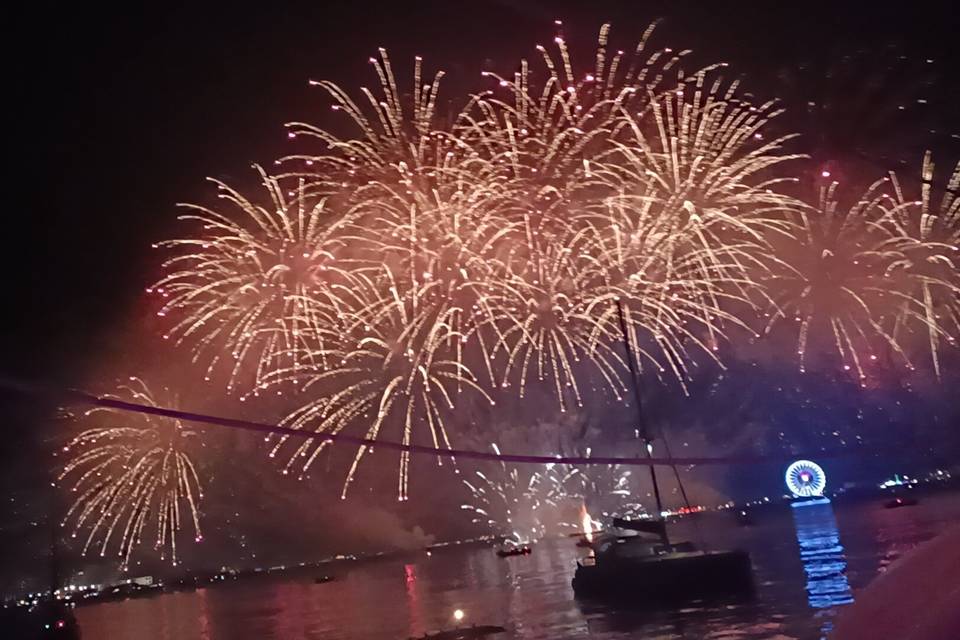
{"x": 518, "y": 550}
{"x": 900, "y": 501}
{"x": 463, "y": 633}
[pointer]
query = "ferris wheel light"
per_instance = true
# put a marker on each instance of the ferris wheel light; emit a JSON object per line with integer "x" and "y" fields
{"x": 806, "y": 479}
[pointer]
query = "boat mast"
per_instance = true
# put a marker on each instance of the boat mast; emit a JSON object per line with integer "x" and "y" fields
{"x": 54, "y": 562}
{"x": 644, "y": 435}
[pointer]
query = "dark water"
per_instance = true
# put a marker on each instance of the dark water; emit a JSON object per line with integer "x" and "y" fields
{"x": 808, "y": 562}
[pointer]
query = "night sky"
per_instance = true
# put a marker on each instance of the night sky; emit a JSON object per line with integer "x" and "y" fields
{"x": 120, "y": 113}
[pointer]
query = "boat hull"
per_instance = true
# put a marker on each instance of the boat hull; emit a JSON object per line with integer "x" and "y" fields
{"x": 670, "y": 577}
{"x": 464, "y": 633}
{"x": 897, "y": 503}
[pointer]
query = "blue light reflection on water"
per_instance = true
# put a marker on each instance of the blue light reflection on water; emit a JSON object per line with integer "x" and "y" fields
{"x": 822, "y": 554}
{"x": 824, "y": 562}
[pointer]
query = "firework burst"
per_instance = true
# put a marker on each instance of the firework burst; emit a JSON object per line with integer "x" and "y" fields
{"x": 425, "y": 218}
{"x": 609, "y": 491}
{"x": 130, "y": 474}
{"x": 515, "y": 501}
{"x": 542, "y": 318}
{"x": 429, "y": 255}
{"x": 701, "y": 168}
{"x": 396, "y": 137}
{"x": 689, "y": 196}
{"x": 643, "y": 185}
{"x": 250, "y": 288}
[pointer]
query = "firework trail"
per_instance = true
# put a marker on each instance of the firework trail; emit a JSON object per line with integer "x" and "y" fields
{"x": 831, "y": 280}
{"x": 549, "y": 135}
{"x": 130, "y": 475}
{"x": 926, "y": 239}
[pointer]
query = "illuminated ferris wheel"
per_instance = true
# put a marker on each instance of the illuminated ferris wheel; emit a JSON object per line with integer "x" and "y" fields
{"x": 806, "y": 479}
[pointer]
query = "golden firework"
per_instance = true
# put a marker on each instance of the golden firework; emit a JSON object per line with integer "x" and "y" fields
{"x": 130, "y": 475}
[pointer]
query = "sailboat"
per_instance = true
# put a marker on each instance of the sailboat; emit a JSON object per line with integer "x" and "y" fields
{"x": 637, "y": 559}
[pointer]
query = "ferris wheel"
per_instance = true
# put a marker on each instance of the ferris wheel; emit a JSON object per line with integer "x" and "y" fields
{"x": 806, "y": 479}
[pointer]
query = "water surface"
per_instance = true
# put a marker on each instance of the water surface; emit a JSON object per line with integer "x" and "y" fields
{"x": 808, "y": 563}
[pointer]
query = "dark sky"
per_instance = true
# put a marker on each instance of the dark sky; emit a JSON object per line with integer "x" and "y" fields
{"x": 119, "y": 113}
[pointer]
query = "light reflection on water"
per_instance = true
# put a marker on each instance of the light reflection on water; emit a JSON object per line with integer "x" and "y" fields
{"x": 824, "y": 562}
{"x": 822, "y": 555}
{"x": 807, "y": 562}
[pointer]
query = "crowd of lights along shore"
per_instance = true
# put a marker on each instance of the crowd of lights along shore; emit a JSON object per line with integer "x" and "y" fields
{"x": 133, "y": 478}
{"x": 381, "y": 279}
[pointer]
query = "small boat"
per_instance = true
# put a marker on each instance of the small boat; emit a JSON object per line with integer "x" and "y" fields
{"x": 128, "y": 591}
{"x": 323, "y": 579}
{"x": 634, "y": 566}
{"x": 744, "y": 519}
{"x": 521, "y": 550}
{"x": 463, "y": 633}
{"x": 900, "y": 501}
